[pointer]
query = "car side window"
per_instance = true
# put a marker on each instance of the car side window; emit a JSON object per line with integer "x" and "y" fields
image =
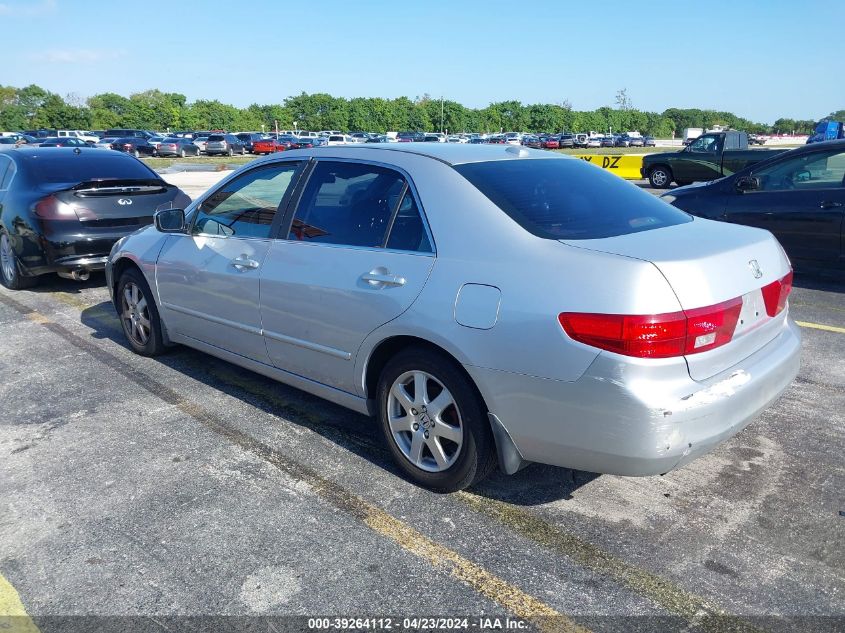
{"x": 408, "y": 232}
{"x": 347, "y": 203}
{"x": 819, "y": 170}
{"x": 246, "y": 206}
{"x": 705, "y": 144}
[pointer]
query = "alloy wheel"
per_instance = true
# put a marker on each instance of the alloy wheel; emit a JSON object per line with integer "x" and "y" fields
{"x": 425, "y": 421}
{"x": 7, "y": 258}
{"x": 135, "y": 314}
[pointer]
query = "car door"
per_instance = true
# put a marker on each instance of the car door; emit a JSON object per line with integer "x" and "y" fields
{"x": 699, "y": 161}
{"x": 354, "y": 254}
{"x": 801, "y": 200}
{"x": 208, "y": 279}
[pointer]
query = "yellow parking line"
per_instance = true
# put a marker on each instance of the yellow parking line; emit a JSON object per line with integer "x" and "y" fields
{"x": 13, "y": 615}
{"x": 819, "y": 326}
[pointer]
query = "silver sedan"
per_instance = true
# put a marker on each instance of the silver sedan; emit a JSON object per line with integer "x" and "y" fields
{"x": 489, "y": 303}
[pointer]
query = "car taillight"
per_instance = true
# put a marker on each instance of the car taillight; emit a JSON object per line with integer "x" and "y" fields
{"x": 776, "y": 293}
{"x": 51, "y": 208}
{"x": 656, "y": 335}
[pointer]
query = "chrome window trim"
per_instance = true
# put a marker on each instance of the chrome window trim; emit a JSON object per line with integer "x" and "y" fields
{"x": 411, "y": 187}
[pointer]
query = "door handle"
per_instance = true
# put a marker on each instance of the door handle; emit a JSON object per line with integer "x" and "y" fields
{"x": 830, "y": 204}
{"x": 380, "y": 277}
{"x": 244, "y": 262}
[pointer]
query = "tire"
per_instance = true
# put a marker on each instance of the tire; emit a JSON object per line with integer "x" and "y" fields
{"x": 243, "y": 151}
{"x": 137, "y": 154}
{"x": 138, "y": 314}
{"x": 660, "y": 177}
{"x": 231, "y": 152}
{"x": 10, "y": 273}
{"x": 459, "y": 432}
{"x": 182, "y": 153}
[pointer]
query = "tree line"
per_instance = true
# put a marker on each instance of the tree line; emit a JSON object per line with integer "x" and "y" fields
{"x": 33, "y": 107}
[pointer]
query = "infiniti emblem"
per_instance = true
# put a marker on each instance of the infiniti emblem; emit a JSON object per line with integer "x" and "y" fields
{"x": 124, "y": 201}
{"x": 755, "y": 269}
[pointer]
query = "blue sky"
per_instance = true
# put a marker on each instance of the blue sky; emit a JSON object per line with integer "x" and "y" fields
{"x": 758, "y": 59}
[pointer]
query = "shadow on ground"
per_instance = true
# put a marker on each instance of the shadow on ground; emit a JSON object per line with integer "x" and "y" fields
{"x": 535, "y": 484}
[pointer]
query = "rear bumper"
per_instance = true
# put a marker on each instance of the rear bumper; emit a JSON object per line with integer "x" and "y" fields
{"x": 70, "y": 248}
{"x": 631, "y": 418}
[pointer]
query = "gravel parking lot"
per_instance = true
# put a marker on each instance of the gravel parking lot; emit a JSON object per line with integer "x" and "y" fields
{"x": 187, "y": 486}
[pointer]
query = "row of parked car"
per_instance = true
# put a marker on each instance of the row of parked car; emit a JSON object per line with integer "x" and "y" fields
{"x": 217, "y": 142}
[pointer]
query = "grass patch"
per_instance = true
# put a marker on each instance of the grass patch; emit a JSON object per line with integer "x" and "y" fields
{"x": 235, "y": 161}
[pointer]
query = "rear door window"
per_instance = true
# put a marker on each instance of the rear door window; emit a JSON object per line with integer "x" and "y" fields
{"x": 569, "y": 198}
{"x": 347, "y": 203}
{"x": 247, "y": 205}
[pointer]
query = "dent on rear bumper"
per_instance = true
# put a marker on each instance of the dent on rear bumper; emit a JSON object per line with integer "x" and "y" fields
{"x": 631, "y": 418}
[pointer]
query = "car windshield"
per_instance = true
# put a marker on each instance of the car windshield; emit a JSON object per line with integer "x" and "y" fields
{"x": 569, "y": 198}
{"x": 91, "y": 165}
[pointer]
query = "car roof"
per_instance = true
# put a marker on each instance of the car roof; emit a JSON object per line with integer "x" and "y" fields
{"x": 450, "y": 153}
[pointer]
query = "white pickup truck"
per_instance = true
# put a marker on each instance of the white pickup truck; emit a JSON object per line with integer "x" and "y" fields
{"x": 80, "y": 134}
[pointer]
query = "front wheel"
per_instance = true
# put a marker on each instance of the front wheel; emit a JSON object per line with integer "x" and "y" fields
{"x": 182, "y": 153}
{"x": 10, "y": 273}
{"x": 434, "y": 422}
{"x": 660, "y": 177}
{"x": 231, "y": 152}
{"x": 139, "y": 314}
{"x": 137, "y": 154}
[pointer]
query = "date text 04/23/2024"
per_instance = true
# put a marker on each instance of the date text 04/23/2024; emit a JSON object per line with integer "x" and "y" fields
{"x": 483, "y": 623}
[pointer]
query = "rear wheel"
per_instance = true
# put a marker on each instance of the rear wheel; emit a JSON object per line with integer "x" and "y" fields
{"x": 139, "y": 314}
{"x": 660, "y": 177}
{"x": 434, "y": 422}
{"x": 182, "y": 153}
{"x": 137, "y": 154}
{"x": 231, "y": 152}
{"x": 243, "y": 151}
{"x": 10, "y": 273}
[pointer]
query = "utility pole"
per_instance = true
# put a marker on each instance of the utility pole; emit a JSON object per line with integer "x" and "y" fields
{"x": 441, "y": 114}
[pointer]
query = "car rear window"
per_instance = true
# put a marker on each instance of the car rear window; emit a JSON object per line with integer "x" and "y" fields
{"x": 569, "y": 198}
{"x": 216, "y": 137}
{"x": 87, "y": 165}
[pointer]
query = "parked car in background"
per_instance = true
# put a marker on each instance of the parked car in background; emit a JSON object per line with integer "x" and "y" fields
{"x": 635, "y": 141}
{"x": 338, "y": 139}
{"x": 798, "y": 195}
{"x": 409, "y": 137}
{"x": 268, "y": 146}
{"x": 659, "y": 343}
{"x": 623, "y": 140}
{"x": 551, "y": 142}
{"x": 648, "y": 141}
{"x": 200, "y": 142}
{"x": 135, "y": 145}
{"x": 529, "y": 140}
{"x": 105, "y": 142}
{"x": 82, "y": 135}
{"x": 566, "y": 141}
{"x": 224, "y": 144}
{"x": 63, "y": 209}
{"x": 64, "y": 141}
{"x": 178, "y": 146}
{"x": 710, "y": 156}
{"x": 593, "y": 142}
{"x": 248, "y": 139}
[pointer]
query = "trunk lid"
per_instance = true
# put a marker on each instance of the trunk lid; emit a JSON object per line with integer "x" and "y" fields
{"x": 103, "y": 202}
{"x": 706, "y": 263}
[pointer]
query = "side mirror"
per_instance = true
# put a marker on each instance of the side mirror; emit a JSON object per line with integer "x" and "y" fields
{"x": 170, "y": 221}
{"x": 747, "y": 183}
